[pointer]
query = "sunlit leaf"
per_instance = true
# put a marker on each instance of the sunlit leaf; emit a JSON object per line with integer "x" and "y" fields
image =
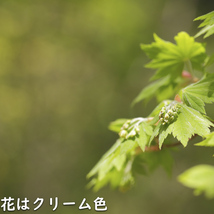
{"x": 96, "y": 168}
{"x": 195, "y": 95}
{"x": 209, "y": 61}
{"x": 169, "y": 59}
{"x": 207, "y": 24}
{"x": 144, "y": 135}
{"x": 188, "y": 123}
{"x": 152, "y": 90}
{"x": 209, "y": 141}
{"x": 200, "y": 178}
{"x": 128, "y": 146}
{"x": 164, "y": 132}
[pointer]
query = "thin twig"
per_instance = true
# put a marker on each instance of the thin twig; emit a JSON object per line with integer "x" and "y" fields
{"x": 156, "y": 147}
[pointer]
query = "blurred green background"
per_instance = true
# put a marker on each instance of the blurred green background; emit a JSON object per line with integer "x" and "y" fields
{"x": 67, "y": 69}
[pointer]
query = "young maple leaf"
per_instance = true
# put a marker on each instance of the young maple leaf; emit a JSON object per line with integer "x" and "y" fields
{"x": 199, "y": 178}
{"x": 207, "y": 24}
{"x": 188, "y": 123}
{"x": 170, "y": 59}
{"x": 199, "y": 93}
{"x": 209, "y": 141}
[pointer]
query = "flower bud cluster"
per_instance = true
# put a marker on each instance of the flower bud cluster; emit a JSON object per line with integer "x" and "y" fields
{"x": 168, "y": 114}
{"x": 127, "y": 131}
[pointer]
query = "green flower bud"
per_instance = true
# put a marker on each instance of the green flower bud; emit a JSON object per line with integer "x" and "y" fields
{"x": 125, "y": 126}
{"x": 175, "y": 114}
{"x": 162, "y": 112}
{"x": 166, "y": 117}
{"x": 137, "y": 129}
{"x": 174, "y": 108}
{"x": 170, "y": 112}
{"x": 123, "y": 133}
{"x": 132, "y": 133}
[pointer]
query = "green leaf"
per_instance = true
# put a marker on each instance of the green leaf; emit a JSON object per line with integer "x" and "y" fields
{"x": 207, "y": 24}
{"x": 114, "y": 167}
{"x": 194, "y": 102}
{"x": 170, "y": 59}
{"x": 96, "y": 168}
{"x": 116, "y": 125}
{"x": 119, "y": 161}
{"x": 200, "y": 178}
{"x": 168, "y": 91}
{"x": 105, "y": 167}
{"x": 209, "y": 141}
{"x": 151, "y": 90}
{"x": 144, "y": 135}
{"x": 155, "y": 133}
{"x": 161, "y": 89}
{"x": 195, "y": 95}
{"x": 139, "y": 166}
{"x": 113, "y": 177}
{"x": 159, "y": 158}
{"x": 209, "y": 61}
{"x": 128, "y": 146}
{"x": 166, "y": 161}
{"x": 188, "y": 123}
{"x": 147, "y": 128}
{"x": 164, "y": 132}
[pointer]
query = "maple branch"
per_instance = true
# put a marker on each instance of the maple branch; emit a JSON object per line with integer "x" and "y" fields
{"x": 156, "y": 147}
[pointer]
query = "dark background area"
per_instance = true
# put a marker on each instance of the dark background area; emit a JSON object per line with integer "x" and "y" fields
{"x": 69, "y": 68}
